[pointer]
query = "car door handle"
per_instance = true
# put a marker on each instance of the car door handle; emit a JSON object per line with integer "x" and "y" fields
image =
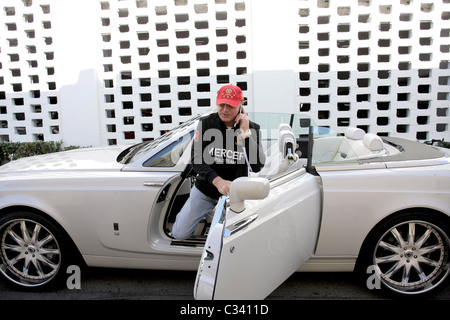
{"x": 154, "y": 184}
{"x": 239, "y": 225}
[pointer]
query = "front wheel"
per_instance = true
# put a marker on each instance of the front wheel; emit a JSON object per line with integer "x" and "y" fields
{"x": 32, "y": 251}
{"x": 410, "y": 253}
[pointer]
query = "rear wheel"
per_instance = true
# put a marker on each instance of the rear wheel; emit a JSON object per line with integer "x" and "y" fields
{"x": 32, "y": 251}
{"x": 410, "y": 253}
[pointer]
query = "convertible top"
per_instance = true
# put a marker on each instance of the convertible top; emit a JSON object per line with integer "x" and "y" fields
{"x": 411, "y": 150}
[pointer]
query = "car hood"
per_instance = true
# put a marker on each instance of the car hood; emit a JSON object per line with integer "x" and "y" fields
{"x": 74, "y": 160}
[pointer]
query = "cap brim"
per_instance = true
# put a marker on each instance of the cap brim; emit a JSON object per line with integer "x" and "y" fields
{"x": 232, "y": 103}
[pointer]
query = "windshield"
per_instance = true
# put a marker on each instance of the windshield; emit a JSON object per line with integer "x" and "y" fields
{"x": 169, "y": 156}
{"x": 134, "y": 152}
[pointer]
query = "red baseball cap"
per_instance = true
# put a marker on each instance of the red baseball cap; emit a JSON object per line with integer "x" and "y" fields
{"x": 230, "y": 94}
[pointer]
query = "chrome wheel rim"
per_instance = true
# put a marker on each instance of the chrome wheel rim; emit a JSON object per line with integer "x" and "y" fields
{"x": 412, "y": 257}
{"x": 30, "y": 253}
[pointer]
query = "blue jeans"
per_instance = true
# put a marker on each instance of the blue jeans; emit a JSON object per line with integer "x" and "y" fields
{"x": 194, "y": 210}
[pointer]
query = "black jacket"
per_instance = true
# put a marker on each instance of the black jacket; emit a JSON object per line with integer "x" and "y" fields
{"x": 215, "y": 152}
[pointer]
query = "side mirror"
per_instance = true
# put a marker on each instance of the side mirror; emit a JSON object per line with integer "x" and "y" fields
{"x": 245, "y": 188}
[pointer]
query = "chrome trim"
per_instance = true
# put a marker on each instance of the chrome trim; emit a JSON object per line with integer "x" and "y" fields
{"x": 385, "y": 165}
{"x": 417, "y": 163}
{"x": 286, "y": 177}
{"x": 219, "y": 216}
{"x": 348, "y": 167}
{"x": 239, "y": 225}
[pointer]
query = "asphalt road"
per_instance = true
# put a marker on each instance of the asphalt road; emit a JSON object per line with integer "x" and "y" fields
{"x": 116, "y": 284}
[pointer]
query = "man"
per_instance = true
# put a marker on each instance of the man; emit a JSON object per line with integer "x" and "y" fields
{"x": 226, "y": 146}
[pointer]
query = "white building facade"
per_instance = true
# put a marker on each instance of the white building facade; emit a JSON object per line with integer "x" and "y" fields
{"x": 105, "y": 72}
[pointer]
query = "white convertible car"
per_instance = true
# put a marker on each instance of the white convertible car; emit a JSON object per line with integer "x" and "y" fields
{"x": 323, "y": 202}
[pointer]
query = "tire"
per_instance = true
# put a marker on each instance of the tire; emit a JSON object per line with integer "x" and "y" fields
{"x": 409, "y": 253}
{"x": 33, "y": 251}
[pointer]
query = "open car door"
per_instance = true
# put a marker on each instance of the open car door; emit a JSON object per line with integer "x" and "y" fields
{"x": 254, "y": 246}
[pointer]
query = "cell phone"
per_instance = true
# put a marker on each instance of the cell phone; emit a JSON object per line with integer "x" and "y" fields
{"x": 240, "y": 111}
